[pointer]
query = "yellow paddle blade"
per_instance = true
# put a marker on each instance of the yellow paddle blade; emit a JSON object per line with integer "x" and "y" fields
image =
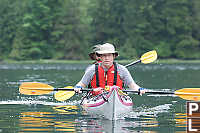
{"x": 189, "y": 93}
{"x": 64, "y": 95}
{"x": 34, "y": 88}
{"x": 149, "y": 57}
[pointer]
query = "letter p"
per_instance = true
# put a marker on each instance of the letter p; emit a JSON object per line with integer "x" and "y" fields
{"x": 193, "y": 107}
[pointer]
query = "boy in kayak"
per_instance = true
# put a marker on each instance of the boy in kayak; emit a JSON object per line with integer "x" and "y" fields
{"x": 107, "y": 73}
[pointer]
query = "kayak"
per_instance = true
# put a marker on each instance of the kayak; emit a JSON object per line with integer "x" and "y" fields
{"x": 110, "y": 105}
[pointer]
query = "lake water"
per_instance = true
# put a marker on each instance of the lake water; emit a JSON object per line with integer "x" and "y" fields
{"x": 151, "y": 113}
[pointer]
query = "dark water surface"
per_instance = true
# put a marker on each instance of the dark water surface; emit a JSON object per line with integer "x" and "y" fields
{"x": 151, "y": 113}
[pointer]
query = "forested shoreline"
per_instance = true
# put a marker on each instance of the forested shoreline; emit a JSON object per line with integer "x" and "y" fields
{"x": 67, "y": 29}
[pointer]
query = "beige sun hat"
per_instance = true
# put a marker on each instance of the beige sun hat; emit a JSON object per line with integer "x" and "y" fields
{"x": 107, "y": 48}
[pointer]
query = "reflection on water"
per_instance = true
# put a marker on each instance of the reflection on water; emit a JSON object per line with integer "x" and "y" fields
{"x": 35, "y": 121}
{"x": 67, "y": 109}
{"x": 180, "y": 119}
{"x": 42, "y": 116}
{"x": 40, "y": 121}
{"x": 48, "y": 121}
{"x": 64, "y": 120}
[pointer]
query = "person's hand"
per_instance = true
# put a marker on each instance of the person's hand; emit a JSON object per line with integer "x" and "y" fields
{"x": 77, "y": 89}
{"x": 141, "y": 91}
{"x": 97, "y": 91}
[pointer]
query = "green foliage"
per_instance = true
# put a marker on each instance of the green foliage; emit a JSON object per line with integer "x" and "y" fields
{"x": 188, "y": 48}
{"x": 66, "y": 29}
{"x": 70, "y": 32}
{"x": 107, "y": 23}
{"x": 10, "y": 19}
{"x": 163, "y": 50}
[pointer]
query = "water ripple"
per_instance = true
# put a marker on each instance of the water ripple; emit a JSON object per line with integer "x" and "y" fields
{"x": 38, "y": 102}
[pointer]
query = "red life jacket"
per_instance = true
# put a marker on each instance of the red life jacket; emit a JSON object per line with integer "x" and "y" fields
{"x": 109, "y": 78}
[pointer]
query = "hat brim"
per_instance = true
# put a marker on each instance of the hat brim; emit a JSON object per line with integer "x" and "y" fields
{"x": 108, "y": 52}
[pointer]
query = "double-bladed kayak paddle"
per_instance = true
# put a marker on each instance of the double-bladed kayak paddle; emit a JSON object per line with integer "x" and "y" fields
{"x": 34, "y": 88}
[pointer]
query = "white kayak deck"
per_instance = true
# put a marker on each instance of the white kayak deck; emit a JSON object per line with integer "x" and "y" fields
{"x": 111, "y": 105}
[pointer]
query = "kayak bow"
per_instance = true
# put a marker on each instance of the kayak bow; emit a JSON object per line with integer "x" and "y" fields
{"x": 110, "y": 105}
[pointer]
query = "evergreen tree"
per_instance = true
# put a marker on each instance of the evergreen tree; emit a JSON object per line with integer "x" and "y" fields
{"x": 71, "y": 33}
{"x": 161, "y": 25}
{"x": 35, "y": 30}
{"x": 107, "y": 21}
{"x": 10, "y": 19}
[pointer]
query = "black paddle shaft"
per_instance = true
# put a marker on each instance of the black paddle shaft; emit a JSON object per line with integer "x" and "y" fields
{"x": 150, "y": 92}
{"x": 132, "y": 91}
{"x": 133, "y": 63}
{"x": 69, "y": 89}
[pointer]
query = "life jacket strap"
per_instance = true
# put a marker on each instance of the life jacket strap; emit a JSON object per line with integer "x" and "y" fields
{"x": 115, "y": 74}
{"x": 97, "y": 74}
